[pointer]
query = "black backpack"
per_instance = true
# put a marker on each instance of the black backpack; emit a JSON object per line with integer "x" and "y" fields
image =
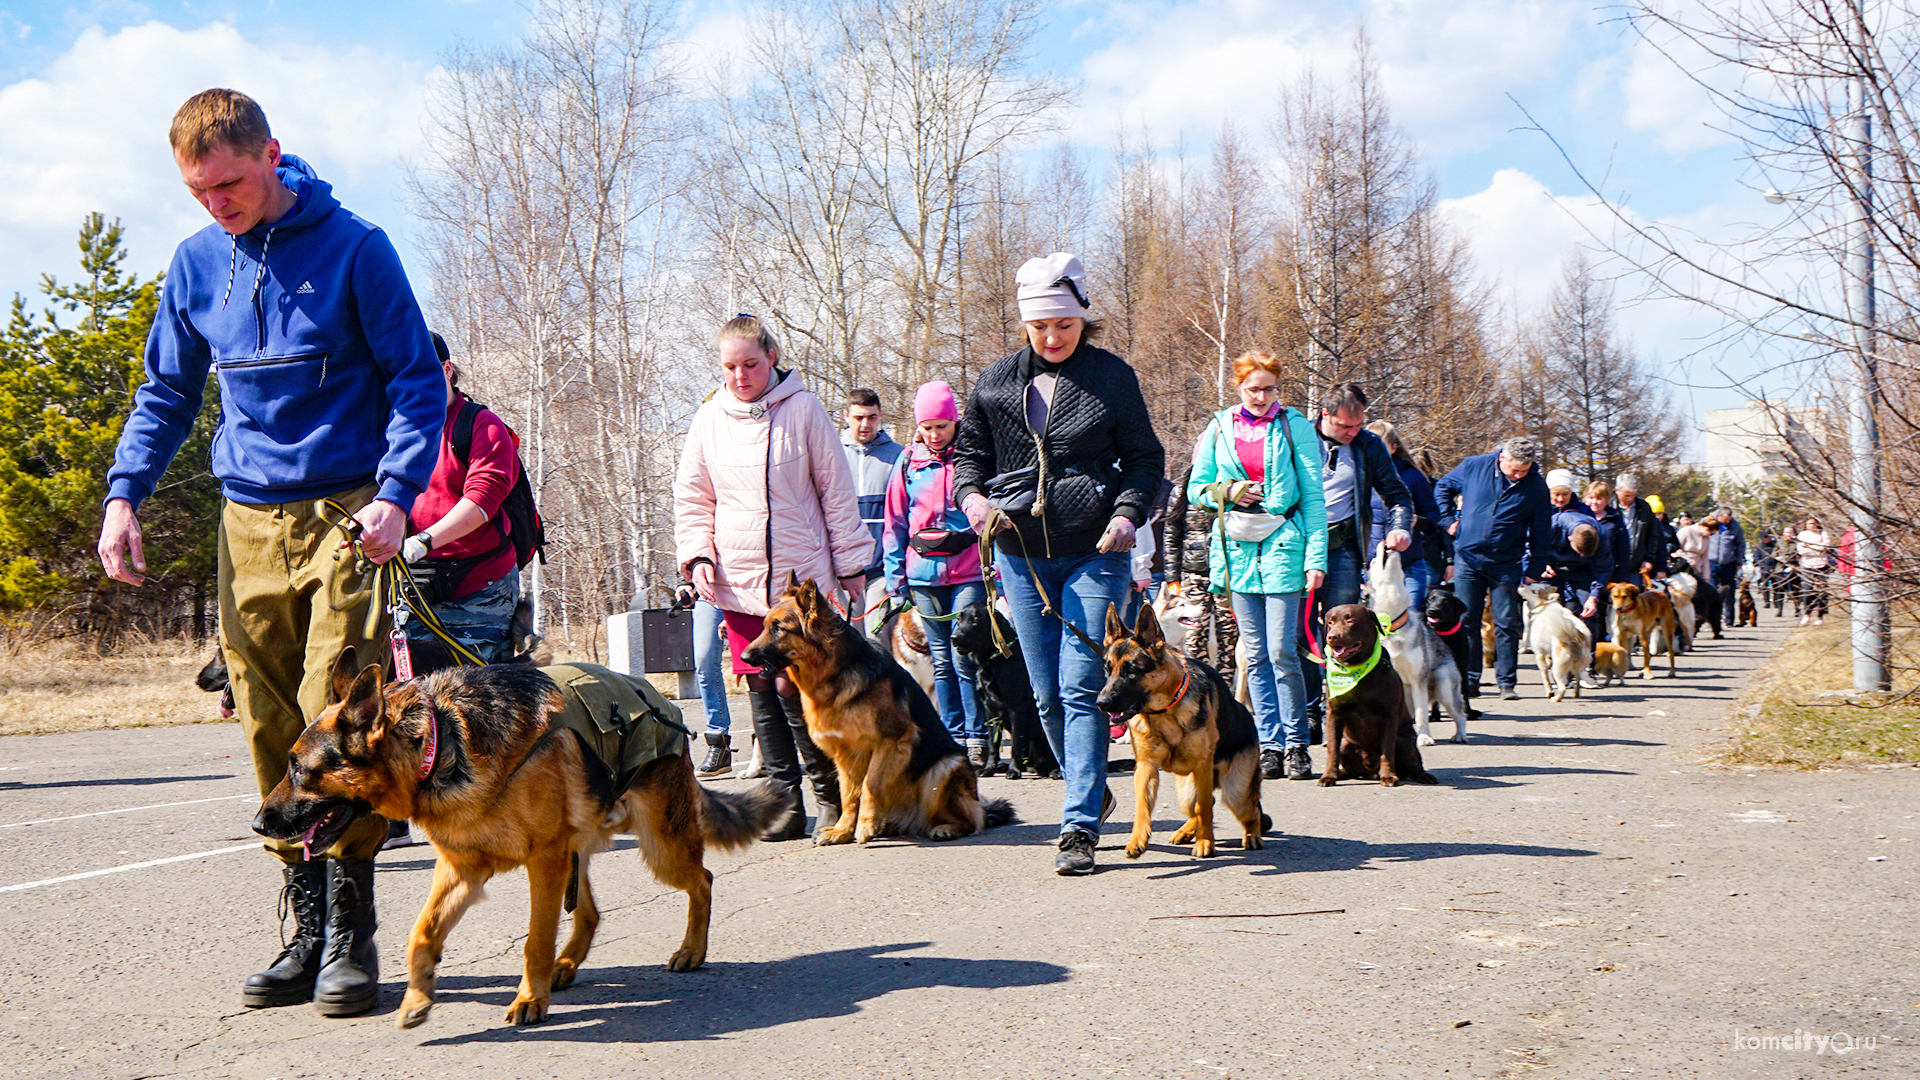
{"x": 523, "y": 523}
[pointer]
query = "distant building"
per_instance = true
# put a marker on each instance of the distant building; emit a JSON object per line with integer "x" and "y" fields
{"x": 1753, "y": 442}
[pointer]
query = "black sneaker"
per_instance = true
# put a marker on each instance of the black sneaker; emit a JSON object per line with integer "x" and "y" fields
{"x": 1270, "y": 767}
{"x": 1107, "y": 805}
{"x": 1076, "y": 853}
{"x": 1299, "y": 764}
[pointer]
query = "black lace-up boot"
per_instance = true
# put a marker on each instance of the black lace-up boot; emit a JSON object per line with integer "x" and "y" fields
{"x": 289, "y": 979}
{"x": 349, "y": 979}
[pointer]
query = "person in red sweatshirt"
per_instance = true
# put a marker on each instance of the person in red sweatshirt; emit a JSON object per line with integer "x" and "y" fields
{"x": 460, "y": 547}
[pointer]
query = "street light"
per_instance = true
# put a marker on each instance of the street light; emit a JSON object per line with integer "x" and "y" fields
{"x": 1866, "y": 601}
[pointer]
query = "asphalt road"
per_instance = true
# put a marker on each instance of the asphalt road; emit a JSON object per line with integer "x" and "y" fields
{"x": 1581, "y": 897}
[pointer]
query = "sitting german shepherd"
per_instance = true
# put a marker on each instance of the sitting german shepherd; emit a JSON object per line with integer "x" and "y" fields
{"x": 901, "y": 773}
{"x": 479, "y": 759}
{"x": 1184, "y": 719}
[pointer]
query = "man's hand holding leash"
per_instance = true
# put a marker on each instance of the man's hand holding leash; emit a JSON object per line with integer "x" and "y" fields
{"x": 383, "y": 528}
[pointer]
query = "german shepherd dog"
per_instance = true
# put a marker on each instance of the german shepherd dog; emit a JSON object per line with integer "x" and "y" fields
{"x": 1747, "y": 613}
{"x": 1182, "y": 717}
{"x": 1369, "y": 731}
{"x": 466, "y": 754}
{"x": 901, "y": 773}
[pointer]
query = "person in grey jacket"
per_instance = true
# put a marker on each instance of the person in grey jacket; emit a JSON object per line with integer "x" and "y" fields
{"x": 872, "y": 455}
{"x": 1355, "y": 465}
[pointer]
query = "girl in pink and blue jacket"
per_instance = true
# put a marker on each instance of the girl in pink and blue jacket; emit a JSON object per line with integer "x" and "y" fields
{"x": 932, "y": 561}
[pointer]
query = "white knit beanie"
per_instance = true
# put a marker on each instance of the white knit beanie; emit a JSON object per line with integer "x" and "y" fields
{"x": 1053, "y": 287}
{"x": 1560, "y": 478}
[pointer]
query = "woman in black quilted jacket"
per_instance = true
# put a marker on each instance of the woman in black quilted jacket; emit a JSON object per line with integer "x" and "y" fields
{"x": 1057, "y": 439}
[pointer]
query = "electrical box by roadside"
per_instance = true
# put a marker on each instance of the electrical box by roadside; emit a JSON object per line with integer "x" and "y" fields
{"x": 654, "y": 641}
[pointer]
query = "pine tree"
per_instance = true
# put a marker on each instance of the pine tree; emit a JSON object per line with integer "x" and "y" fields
{"x": 66, "y": 387}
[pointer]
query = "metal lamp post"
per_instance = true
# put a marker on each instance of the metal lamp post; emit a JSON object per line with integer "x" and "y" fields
{"x": 1867, "y": 604}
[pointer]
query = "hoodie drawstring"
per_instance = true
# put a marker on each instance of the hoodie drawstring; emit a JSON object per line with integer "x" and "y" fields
{"x": 259, "y": 274}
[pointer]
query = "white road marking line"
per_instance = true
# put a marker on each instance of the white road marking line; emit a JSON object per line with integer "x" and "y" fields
{"x": 125, "y": 810}
{"x": 130, "y": 866}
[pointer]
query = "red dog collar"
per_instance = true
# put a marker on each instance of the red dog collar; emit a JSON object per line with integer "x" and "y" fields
{"x": 430, "y": 755}
{"x": 1448, "y": 633}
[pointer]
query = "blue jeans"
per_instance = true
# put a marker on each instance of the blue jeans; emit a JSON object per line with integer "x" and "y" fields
{"x": 1270, "y": 628}
{"x": 480, "y": 622}
{"x": 1418, "y": 572}
{"x": 1067, "y": 676}
{"x": 1477, "y": 586}
{"x": 707, "y": 658}
{"x": 953, "y": 671}
{"x": 1344, "y": 569}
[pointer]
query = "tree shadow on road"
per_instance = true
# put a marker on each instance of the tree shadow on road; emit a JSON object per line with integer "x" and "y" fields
{"x": 651, "y": 1004}
{"x": 1472, "y": 777}
{"x": 124, "y": 781}
{"x": 1481, "y": 739}
{"x": 1289, "y": 853}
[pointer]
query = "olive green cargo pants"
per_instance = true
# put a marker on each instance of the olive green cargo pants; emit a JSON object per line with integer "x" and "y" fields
{"x": 290, "y": 601}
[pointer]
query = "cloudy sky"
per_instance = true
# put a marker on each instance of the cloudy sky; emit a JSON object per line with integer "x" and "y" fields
{"x": 87, "y": 89}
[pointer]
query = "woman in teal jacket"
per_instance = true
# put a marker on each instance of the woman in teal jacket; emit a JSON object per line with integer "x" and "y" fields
{"x": 1269, "y": 547}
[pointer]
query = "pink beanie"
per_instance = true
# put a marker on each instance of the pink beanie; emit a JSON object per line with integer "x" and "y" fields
{"x": 934, "y": 401}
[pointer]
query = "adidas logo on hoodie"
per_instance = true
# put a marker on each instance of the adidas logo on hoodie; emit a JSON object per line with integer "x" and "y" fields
{"x": 305, "y": 287}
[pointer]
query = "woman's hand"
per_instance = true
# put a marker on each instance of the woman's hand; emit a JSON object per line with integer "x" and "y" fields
{"x": 1592, "y": 607}
{"x": 856, "y": 589}
{"x": 1249, "y": 496}
{"x": 702, "y": 575}
{"x": 1316, "y": 578}
{"x": 1118, "y": 537}
{"x": 977, "y": 507}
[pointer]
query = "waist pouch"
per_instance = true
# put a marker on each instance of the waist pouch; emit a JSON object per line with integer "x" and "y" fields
{"x": 439, "y": 579}
{"x": 1253, "y": 526}
{"x": 944, "y": 541}
{"x": 1014, "y": 492}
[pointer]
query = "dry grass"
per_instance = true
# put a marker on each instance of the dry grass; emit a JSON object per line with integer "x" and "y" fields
{"x": 1786, "y": 721}
{"x": 62, "y": 687}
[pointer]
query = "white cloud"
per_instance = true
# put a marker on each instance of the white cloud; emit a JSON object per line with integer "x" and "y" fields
{"x": 1445, "y": 64}
{"x": 91, "y": 134}
{"x": 1667, "y": 101}
{"x": 1522, "y": 234}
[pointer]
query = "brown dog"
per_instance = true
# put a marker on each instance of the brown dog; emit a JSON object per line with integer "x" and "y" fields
{"x": 901, "y": 773}
{"x": 1639, "y": 615}
{"x": 1369, "y": 732}
{"x": 1748, "y": 615}
{"x": 1610, "y": 663}
{"x": 1182, "y": 718}
{"x": 478, "y": 757}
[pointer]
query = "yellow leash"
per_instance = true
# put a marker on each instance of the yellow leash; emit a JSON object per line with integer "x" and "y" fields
{"x": 393, "y": 580}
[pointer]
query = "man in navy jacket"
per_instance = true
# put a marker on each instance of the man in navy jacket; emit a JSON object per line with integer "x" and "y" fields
{"x": 1495, "y": 506}
{"x": 332, "y": 403}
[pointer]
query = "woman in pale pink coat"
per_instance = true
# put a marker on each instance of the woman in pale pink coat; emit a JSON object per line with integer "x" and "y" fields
{"x": 763, "y": 490}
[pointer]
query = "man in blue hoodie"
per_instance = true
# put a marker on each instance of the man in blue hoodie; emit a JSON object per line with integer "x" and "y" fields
{"x": 331, "y": 406}
{"x": 1496, "y": 508}
{"x": 872, "y": 455}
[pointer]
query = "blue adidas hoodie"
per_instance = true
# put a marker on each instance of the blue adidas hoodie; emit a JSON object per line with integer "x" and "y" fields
{"x": 328, "y": 379}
